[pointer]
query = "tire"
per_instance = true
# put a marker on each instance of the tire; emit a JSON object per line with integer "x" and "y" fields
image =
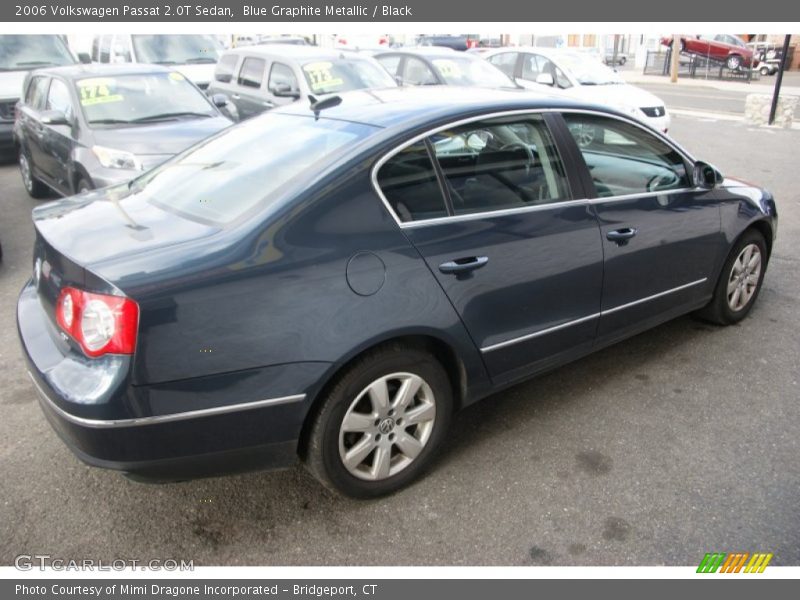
{"x": 83, "y": 185}
{"x": 380, "y": 463}
{"x": 622, "y": 61}
{"x": 726, "y": 308}
{"x": 35, "y": 188}
{"x": 734, "y": 62}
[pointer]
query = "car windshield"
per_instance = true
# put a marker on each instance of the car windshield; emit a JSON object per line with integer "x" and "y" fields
{"x": 25, "y": 52}
{"x": 469, "y": 71}
{"x": 588, "y": 70}
{"x": 140, "y": 98}
{"x": 247, "y": 167}
{"x": 176, "y": 49}
{"x": 341, "y": 75}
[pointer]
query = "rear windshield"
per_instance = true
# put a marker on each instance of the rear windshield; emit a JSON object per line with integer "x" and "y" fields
{"x": 25, "y": 52}
{"x": 248, "y": 166}
{"x": 334, "y": 76}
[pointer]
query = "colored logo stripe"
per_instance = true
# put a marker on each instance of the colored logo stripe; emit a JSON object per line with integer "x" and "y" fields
{"x": 734, "y": 562}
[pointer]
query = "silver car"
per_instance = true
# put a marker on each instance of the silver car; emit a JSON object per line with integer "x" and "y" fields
{"x": 257, "y": 78}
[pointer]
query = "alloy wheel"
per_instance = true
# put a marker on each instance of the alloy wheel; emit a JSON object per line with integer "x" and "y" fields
{"x": 387, "y": 426}
{"x": 744, "y": 277}
{"x": 25, "y": 171}
{"x": 583, "y": 133}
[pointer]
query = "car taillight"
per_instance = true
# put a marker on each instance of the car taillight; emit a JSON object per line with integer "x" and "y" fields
{"x": 101, "y": 324}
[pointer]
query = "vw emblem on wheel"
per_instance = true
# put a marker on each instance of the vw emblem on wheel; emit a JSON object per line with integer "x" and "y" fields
{"x": 386, "y": 426}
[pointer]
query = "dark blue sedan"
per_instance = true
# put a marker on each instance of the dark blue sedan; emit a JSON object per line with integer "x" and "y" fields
{"x": 333, "y": 281}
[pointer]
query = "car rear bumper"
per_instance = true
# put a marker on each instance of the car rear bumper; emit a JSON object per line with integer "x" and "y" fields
{"x": 109, "y": 423}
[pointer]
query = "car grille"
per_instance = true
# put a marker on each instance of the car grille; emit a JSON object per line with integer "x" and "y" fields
{"x": 654, "y": 111}
{"x": 7, "y": 109}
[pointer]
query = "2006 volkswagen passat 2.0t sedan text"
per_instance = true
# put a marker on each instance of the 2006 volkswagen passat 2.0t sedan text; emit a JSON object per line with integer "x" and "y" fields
{"x": 332, "y": 281}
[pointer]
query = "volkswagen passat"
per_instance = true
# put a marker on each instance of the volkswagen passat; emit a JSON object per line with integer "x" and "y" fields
{"x": 333, "y": 281}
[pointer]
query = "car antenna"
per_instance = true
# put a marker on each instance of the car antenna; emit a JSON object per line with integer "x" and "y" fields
{"x": 318, "y": 105}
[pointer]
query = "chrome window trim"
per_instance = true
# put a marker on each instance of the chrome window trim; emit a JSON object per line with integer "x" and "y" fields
{"x": 510, "y": 113}
{"x": 157, "y": 419}
{"x": 636, "y": 195}
{"x": 601, "y": 314}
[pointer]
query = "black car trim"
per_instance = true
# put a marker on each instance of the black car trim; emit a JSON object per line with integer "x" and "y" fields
{"x": 602, "y": 313}
{"x": 154, "y": 420}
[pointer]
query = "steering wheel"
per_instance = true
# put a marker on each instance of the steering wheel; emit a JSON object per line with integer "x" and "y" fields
{"x": 530, "y": 160}
{"x": 657, "y": 182}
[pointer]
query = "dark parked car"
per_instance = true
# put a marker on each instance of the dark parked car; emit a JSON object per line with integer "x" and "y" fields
{"x": 721, "y": 47}
{"x": 335, "y": 282}
{"x": 441, "y": 66}
{"x": 258, "y": 78}
{"x": 454, "y": 42}
{"x": 84, "y": 127}
{"x": 19, "y": 54}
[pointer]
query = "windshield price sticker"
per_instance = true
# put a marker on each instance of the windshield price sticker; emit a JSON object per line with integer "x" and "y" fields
{"x": 321, "y": 77}
{"x": 98, "y": 91}
{"x": 448, "y": 68}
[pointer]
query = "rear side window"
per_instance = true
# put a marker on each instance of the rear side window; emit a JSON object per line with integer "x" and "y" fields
{"x": 625, "y": 159}
{"x": 409, "y": 183}
{"x": 226, "y": 67}
{"x": 37, "y": 92}
{"x": 500, "y": 164}
{"x": 252, "y": 72}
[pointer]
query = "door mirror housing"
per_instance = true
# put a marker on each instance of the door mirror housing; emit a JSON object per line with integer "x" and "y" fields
{"x": 284, "y": 90}
{"x": 545, "y": 79}
{"x": 54, "y": 117}
{"x": 706, "y": 176}
{"x": 219, "y": 100}
{"x": 84, "y": 58}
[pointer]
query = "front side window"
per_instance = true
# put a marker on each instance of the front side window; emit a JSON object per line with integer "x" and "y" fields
{"x": 416, "y": 72}
{"x": 37, "y": 91}
{"x": 500, "y": 164}
{"x": 252, "y": 72}
{"x": 470, "y": 72}
{"x": 226, "y": 67}
{"x": 408, "y": 182}
{"x": 58, "y": 98}
{"x": 625, "y": 159}
{"x": 282, "y": 76}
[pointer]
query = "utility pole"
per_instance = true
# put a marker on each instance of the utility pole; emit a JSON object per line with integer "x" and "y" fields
{"x": 779, "y": 79}
{"x": 675, "y": 53}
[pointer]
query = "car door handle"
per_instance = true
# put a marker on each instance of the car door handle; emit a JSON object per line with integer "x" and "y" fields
{"x": 463, "y": 266}
{"x": 235, "y": 96}
{"x": 621, "y": 236}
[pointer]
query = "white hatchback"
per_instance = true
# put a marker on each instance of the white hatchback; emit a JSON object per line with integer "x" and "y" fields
{"x": 579, "y": 76}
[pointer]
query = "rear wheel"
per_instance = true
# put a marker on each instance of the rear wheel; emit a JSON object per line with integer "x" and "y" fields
{"x": 34, "y": 187}
{"x": 740, "y": 281}
{"x": 764, "y": 70}
{"x": 82, "y": 186}
{"x": 381, "y": 424}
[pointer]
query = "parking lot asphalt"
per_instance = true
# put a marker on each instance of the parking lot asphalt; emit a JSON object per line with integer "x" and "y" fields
{"x": 680, "y": 441}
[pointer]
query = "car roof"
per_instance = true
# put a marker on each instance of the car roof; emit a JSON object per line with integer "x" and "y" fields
{"x": 407, "y": 107}
{"x": 295, "y": 51}
{"x": 80, "y": 71}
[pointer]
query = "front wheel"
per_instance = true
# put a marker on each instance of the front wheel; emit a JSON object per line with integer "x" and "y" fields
{"x": 740, "y": 281}
{"x": 734, "y": 62}
{"x": 381, "y": 424}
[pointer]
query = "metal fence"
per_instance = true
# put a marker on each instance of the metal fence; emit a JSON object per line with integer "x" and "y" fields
{"x": 695, "y": 66}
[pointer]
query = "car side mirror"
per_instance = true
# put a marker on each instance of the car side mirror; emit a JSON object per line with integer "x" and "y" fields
{"x": 284, "y": 90}
{"x": 398, "y": 80}
{"x": 706, "y": 176}
{"x": 223, "y": 77}
{"x": 53, "y": 117}
{"x": 219, "y": 100}
{"x": 545, "y": 79}
{"x": 84, "y": 58}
